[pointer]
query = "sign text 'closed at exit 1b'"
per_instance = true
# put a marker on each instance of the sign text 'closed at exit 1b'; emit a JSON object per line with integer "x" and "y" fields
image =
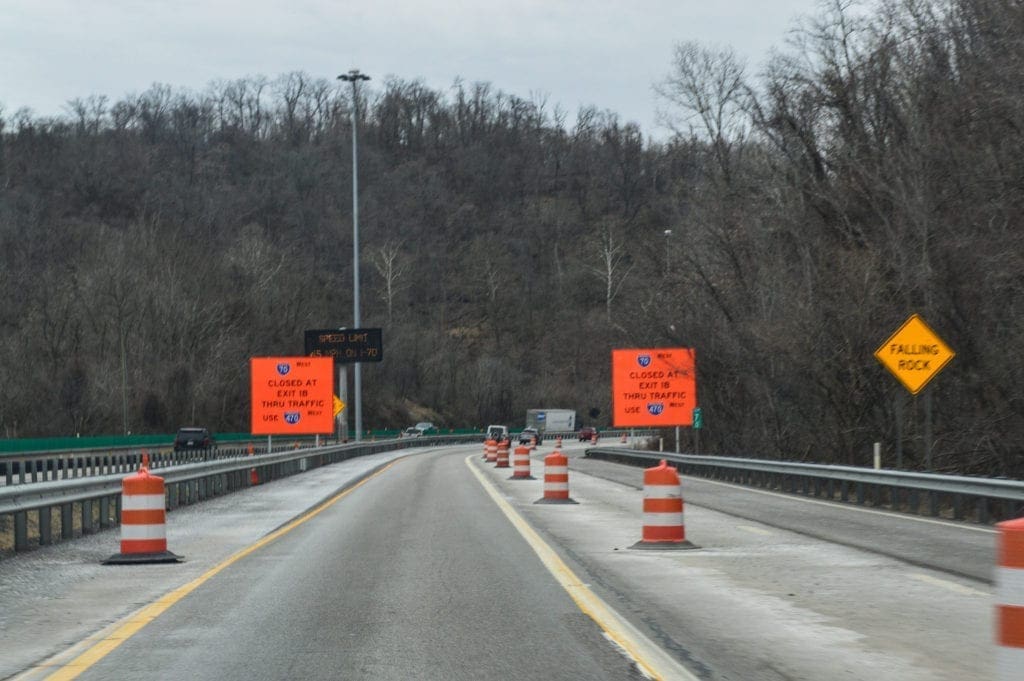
{"x": 653, "y": 387}
{"x": 292, "y": 395}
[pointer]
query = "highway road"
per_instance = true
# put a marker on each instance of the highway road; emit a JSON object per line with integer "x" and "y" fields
{"x": 436, "y": 568}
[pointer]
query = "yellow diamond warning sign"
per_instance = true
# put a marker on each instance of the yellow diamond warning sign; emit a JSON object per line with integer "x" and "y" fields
{"x": 914, "y": 354}
{"x": 338, "y": 405}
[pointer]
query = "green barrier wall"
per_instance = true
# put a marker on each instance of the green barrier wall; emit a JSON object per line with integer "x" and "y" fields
{"x": 51, "y": 444}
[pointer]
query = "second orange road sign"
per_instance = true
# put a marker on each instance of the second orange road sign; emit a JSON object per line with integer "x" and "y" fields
{"x": 654, "y": 387}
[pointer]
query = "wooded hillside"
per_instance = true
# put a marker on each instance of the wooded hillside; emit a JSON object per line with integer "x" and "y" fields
{"x": 875, "y": 168}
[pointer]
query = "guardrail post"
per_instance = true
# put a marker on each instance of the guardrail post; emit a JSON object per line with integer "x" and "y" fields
{"x": 20, "y": 531}
{"x": 105, "y": 512}
{"x": 958, "y": 507}
{"x": 45, "y": 527}
{"x": 933, "y": 503}
{"x": 67, "y": 521}
{"x": 87, "y": 526}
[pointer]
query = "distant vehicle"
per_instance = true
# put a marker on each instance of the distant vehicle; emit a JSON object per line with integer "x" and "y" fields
{"x": 426, "y": 427}
{"x": 528, "y": 435}
{"x": 587, "y": 433}
{"x": 193, "y": 438}
{"x": 551, "y": 420}
{"x": 412, "y": 431}
{"x": 497, "y": 433}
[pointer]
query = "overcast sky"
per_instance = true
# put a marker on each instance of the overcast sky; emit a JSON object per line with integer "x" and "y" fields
{"x": 605, "y": 53}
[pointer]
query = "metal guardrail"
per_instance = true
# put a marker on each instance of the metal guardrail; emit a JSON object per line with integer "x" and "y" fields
{"x": 960, "y": 497}
{"x": 21, "y": 468}
{"x": 86, "y": 504}
{"x": 27, "y": 468}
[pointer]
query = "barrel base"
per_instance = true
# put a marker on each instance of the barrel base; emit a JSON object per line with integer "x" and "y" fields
{"x": 556, "y": 501}
{"x": 140, "y": 558}
{"x": 663, "y": 545}
{"x": 522, "y": 477}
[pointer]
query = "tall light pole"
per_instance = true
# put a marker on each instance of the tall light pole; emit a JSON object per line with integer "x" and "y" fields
{"x": 353, "y": 77}
{"x": 668, "y": 264}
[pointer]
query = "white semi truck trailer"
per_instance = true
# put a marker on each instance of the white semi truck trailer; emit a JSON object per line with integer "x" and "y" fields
{"x": 551, "y": 420}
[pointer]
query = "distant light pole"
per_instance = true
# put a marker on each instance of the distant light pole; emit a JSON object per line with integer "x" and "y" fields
{"x": 668, "y": 265}
{"x": 353, "y": 77}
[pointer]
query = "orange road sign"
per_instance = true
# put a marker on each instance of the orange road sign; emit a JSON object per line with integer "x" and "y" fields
{"x": 654, "y": 387}
{"x": 914, "y": 354}
{"x": 292, "y": 395}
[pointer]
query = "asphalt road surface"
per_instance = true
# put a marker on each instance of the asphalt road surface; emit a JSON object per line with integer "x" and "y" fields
{"x": 428, "y": 571}
{"x": 414, "y": 575}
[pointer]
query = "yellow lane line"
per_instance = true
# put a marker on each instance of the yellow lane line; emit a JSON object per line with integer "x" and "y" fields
{"x": 649, "y": 658}
{"x": 130, "y": 625}
{"x": 755, "y": 530}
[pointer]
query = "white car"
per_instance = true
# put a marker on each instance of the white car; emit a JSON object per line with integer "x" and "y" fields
{"x": 497, "y": 433}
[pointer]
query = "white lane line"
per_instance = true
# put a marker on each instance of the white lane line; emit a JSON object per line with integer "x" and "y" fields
{"x": 650, "y": 659}
{"x": 836, "y": 505}
{"x": 946, "y": 584}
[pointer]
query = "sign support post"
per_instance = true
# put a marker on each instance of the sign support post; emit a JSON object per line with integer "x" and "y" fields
{"x": 899, "y": 432}
{"x": 343, "y": 394}
{"x": 928, "y": 429}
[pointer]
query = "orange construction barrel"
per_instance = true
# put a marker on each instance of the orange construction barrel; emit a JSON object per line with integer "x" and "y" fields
{"x": 556, "y": 480}
{"x": 663, "y": 510}
{"x": 143, "y": 520}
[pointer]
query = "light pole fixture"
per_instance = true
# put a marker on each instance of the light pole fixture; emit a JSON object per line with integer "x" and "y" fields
{"x": 353, "y": 77}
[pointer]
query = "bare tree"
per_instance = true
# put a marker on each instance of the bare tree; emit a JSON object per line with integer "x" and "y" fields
{"x": 614, "y": 265}
{"x": 390, "y": 264}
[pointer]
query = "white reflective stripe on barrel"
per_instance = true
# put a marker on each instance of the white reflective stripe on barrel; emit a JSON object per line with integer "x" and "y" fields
{"x": 1010, "y": 586}
{"x": 1009, "y": 662}
{"x": 557, "y": 470}
{"x": 663, "y": 519}
{"x": 556, "y": 487}
{"x": 662, "y": 492}
{"x": 142, "y": 502}
{"x": 130, "y": 532}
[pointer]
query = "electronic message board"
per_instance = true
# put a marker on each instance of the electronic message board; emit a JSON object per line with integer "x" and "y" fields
{"x": 346, "y": 346}
{"x": 654, "y": 387}
{"x": 292, "y": 395}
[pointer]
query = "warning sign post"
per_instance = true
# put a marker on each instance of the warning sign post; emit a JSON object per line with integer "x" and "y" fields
{"x": 654, "y": 387}
{"x": 292, "y": 395}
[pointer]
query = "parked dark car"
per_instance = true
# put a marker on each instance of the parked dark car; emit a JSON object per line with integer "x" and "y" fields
{"x": 193, "y": 438}
{"x": 587, "y": 433}
{"x": 527, "y": 436}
